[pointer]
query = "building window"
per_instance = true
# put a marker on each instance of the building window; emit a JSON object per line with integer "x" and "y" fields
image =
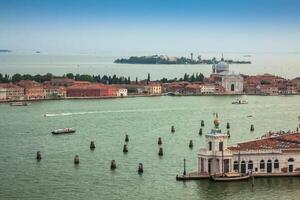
{"x": 220, "y": 146}
{"x": 291, "y": 160}
{"x": 276, "y": 164}
{"x": 209, "y": 146}
{"x": 262, "y": 164}
{"x": 236, "y": 166}
{"x": 250, "y": 165}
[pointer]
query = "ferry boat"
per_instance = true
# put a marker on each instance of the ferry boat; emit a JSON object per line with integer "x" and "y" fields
{"x": 63, "y": 131}
{"x": 240, "y": 101}
{"x": 19, "y": 103}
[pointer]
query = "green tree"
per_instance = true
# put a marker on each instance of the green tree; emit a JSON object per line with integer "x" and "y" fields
{"x": 70, "y": 75}
{"x": 16, "y": 78}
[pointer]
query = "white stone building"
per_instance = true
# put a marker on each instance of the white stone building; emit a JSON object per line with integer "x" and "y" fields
{"x": 233, "y": 83}
{"x": 208, "y": 89}
{"x": 2, "y": 93}
{"x": 121, "y": 92}
{"x": 274, "y": 155}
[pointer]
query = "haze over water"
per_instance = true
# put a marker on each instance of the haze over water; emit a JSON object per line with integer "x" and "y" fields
{"x": 281, "y": 64}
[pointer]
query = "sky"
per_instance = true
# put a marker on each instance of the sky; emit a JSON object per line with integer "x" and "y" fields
{"x": 156, "y": 26}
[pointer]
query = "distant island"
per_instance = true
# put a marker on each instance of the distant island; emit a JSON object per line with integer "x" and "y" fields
{"x": 163, "y": 59}
{"x": 5, "y": 51}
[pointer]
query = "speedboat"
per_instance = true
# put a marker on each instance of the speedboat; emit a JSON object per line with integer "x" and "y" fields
{"x": 63, "y": 131}
{"x": 240, "y": 101}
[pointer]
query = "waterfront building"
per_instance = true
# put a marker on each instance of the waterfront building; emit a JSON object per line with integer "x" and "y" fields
{"x": 2, "y": 93}
{"x": 208, "y": 89}
{"x": 153, "y": 88}
{"x": 267, "y": 89}
{"x": 192, "y": 89}
{"x": 91, "y": 90}
{"x": 121, "y": 92}
{"x": 175, "y": 87}
{"x": 55, "y": 91}
{"x": 32, "y": 89}
{"x": 296, "y": 81}
{"x": 272, "y": 155}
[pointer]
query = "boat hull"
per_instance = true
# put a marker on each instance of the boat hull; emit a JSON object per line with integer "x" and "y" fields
{"x": 63, "y": 131}
{"x": 224, "y": 178}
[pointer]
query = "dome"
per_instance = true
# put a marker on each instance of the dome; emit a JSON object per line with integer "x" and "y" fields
{"x": 222, "y": 65}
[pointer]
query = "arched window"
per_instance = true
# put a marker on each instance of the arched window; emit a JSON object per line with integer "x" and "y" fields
{"x": 276, "y": 164}
{"x": 262, "y": 164}
{"x": 250, "y": 165}
{"x": 236, "y": 165}
{"x": 209, "y": 145}
{"x": 291, "y": 160}
{"x": 232, "y": 87}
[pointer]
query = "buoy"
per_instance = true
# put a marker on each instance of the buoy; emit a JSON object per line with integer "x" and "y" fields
{"x": 228, "y": 125}
{"x": 228, "y": 134}
{"x": 202, "y": 123}
{"x": 113, "y": 165}
{"x": 125, "y": 148}
{"x": 159, "y": 142}
{"x": 160, "y": 152}
{"x": 140, "y": 169}
{"x": 76, "y": 160}
{"x": 126, "y": 138}
{"x": 200, "y": 131}
{"x": 191, "y": 144}
{"x": 173, "y": 129}
{"x": 92, "y": 145}
{"x": 252, "y": 127}
{"x": 38, "y": 155}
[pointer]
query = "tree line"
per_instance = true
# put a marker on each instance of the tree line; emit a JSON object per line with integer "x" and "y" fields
{"x": 106, "y": 79}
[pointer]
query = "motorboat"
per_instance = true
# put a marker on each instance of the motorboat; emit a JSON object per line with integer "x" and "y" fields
{"x": 240, "y": 101}
{"x": 63, "y": 131}
{"x": 21, "y": 103}
{"x": 230, "y": 177}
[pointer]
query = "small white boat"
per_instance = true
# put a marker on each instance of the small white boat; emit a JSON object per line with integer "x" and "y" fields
{"x": 63, "y": 131}
{"x": 230, "y": 177}
{"x": 240, "y": 101}
{"x": 19, "y": 103}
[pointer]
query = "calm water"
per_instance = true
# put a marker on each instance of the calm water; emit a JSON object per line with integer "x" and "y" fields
{"x": 25, "y": 130}
{"x": 283, "y": 64}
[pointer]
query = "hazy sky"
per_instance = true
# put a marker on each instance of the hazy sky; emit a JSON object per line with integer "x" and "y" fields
{"x": 150, "y": 25}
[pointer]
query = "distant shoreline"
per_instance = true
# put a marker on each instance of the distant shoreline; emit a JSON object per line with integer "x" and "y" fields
{"x": 166, "y": 60}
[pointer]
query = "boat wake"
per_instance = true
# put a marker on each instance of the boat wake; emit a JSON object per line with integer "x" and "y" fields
{"x": 110, "y": 111}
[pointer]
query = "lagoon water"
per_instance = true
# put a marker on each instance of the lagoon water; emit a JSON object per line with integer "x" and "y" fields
{"x": 25, "y": 130}
{"x": 282, "y": 64}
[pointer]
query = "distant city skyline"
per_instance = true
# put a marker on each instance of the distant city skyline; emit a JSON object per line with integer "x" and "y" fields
{"x": 150, "y": 26}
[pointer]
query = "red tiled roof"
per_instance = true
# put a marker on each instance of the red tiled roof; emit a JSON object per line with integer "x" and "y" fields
{"x": 285, "y": 141}
{"x": 8, "y": 85}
